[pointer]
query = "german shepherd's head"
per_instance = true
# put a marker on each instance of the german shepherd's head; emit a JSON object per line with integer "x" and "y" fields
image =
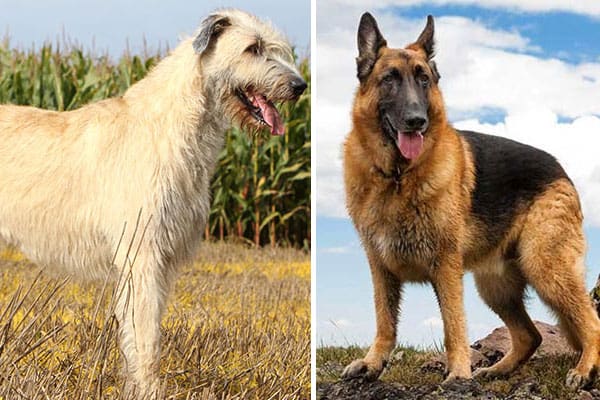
{"x": 398, "y": 98}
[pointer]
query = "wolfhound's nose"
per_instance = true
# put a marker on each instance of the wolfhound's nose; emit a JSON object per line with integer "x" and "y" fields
{"x": 298, "y": 86}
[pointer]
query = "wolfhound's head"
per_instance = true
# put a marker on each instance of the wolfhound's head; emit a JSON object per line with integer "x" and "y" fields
{"x": 247, "y": 66}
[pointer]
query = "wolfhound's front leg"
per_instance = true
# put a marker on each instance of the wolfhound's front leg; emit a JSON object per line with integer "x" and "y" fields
{"x": 140, "y": 305}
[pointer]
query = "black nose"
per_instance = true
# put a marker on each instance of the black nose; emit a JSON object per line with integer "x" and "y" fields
{"x": 415, "y": 122}
{"x": 298, "y": 86}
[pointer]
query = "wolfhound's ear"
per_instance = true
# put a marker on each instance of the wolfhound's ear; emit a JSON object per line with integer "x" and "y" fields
{"x": 210, "y": 29}
{"x": 425, "y": 40}
{"x": 370, "y": 41}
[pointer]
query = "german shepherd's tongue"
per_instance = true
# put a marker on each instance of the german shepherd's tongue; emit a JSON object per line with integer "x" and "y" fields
{"x": 410, "y": 144}
{"x": 270, "y": 114}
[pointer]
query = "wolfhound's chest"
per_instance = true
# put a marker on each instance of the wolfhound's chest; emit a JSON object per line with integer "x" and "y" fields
{"x": 181, "y": 218}
{"x": 183, "y": 206}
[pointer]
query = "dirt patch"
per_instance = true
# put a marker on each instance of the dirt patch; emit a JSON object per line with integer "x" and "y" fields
{"x": 358, "y": 389}
{"x": 414, "y": 375}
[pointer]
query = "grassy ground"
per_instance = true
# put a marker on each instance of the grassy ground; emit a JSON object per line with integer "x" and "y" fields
{"x": 237, "y": 326}
{"x": 548, "y": 372}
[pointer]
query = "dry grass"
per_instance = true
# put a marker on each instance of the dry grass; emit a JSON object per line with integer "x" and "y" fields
{"x": 238, "y": 326}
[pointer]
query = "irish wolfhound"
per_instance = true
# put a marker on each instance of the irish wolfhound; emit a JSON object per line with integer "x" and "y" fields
{"x": 137, "y": 169}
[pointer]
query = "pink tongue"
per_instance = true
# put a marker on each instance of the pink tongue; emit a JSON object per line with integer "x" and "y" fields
{"x": 271, "y": 115}
{"x": 410, "y": 144}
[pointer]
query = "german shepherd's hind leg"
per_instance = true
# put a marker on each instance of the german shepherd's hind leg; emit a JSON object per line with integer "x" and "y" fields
{"x": 552, "y": 251}
{"x": 447, "y": 282}
{"x": 387, "y": 291}
{"x": 503, "y": 290}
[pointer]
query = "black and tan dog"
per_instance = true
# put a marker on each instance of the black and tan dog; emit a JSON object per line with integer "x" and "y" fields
{"x": 430, "y": 203}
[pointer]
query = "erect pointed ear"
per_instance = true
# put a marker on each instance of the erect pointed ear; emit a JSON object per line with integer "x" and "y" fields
{"x": 370, "y": 41}
{"x": 434, "y": 70}
{"x": 425, "y": 40}
{"x": 210, "y": 29}
{"x": 426, "y": 43}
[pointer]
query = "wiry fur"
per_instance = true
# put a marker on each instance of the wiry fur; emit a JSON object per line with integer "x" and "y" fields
{"x": 135, "y": 170}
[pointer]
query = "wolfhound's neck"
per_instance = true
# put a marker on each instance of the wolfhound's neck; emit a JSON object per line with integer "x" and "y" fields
{"x": 184, "y": 131}
{"x": 170, "y": 97}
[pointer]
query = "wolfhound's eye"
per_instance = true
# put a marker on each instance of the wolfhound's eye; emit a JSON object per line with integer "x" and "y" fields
{"x": 253, "y": 49}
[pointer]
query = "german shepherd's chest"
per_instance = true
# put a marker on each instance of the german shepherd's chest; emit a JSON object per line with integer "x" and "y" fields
{"x": 408, "y": 234}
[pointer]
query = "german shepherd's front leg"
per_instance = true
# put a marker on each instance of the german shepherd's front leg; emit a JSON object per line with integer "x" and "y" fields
{"x": 387, "y": 290}
{"x": 447, "y": 282}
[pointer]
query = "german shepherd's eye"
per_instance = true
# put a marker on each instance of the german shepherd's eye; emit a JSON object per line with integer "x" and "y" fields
{"x": 253, "y": 49}
{"x": 423, "y": 79}
{"x": 421, "y": 76}
{"x": 390, "y": 77}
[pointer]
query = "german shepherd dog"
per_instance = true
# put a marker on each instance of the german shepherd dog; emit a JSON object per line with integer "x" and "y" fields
{"x": 431, "y": 202}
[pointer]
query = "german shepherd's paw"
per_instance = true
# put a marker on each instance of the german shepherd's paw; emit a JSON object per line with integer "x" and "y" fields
{"x": 489, "y": 373}
{"x": 363, "y": 369}
{"x": 576, "y": 380}
{"x": 456, "y": 376}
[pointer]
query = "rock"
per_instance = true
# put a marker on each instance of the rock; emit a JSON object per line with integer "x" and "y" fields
{"x": 595, "y": 295}
{"x": 583, "y": 395}
{"x": 438, "y": 362}
{"x": 494, "y": 346}
{"x": 526, "y": 390}
{"x": 592, "y": 394}
{"x": 497, "y": 343}
{"x": 358, "y": 389}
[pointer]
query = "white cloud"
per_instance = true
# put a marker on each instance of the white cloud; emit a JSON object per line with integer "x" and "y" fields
{"x": 433, "y": 323}
{"x": 482, "y": 69}
{"x": 341, "y": 322}
{"x": 512, "y": 81}
{"x": 586, "y": 7}
{"x": 337, "y": 250}
{"x": 479, "y": 330}
{"x": 331, "y": 125}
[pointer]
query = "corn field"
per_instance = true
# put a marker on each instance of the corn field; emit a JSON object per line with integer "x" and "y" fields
{"x": 261, "y": 193}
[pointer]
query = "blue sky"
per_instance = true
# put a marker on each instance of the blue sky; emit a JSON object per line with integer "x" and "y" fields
{"x": 511, "y": 68}
{"x": 109, "y": 24}
{"x": 568, "y": 37}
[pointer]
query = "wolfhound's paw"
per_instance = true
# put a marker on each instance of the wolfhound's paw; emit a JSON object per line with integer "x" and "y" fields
{"x": 363, "y": 369}
{"x": 576, "y": 380}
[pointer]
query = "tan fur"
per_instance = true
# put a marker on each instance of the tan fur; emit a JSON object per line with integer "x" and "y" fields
{"x": 135, "y": 170}
{"x": 418, "y": 226}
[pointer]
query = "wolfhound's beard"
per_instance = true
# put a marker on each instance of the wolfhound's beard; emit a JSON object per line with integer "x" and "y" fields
{"x": 254, "y": 109}
{"x": 253, "y": 112}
